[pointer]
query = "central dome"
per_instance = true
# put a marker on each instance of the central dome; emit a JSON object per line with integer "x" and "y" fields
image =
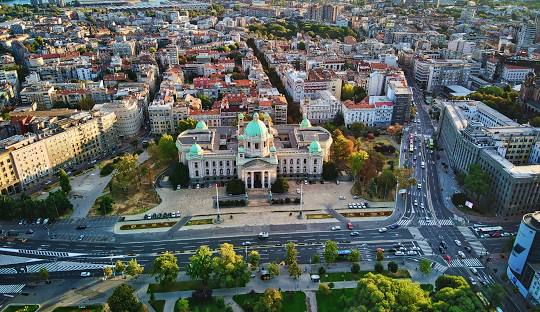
{"x": 256, "y": 128}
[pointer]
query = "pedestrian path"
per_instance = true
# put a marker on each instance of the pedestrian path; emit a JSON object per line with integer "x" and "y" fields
{"x": 468, "y": 262}
{"x": 8, "y": 259}
{"x": 473, "y": 240}
{"x": 404, "y": 222}
{"x": 436, "y": 222}
{"x": 439, "y": 267}
{"x": 426, "y": 249}
{"x": 8, "y": 271}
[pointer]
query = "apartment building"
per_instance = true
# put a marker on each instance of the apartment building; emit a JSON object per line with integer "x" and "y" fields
{"x": 129, "y": 115}
{"x": 165, "y": 115}
{"x": 472, "y": 132}
{"x": 376, "y": 111}
{"x": 9, "y": 180}
{"x": 515, "y": 74}
{"x": 434, "y": 74}
{"x": 321, "y": 107}
{"x": 42, "y": 94}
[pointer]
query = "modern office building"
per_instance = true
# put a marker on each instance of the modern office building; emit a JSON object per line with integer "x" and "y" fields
{"x": 255, "y": 152}
{"x": 524, "y": 261}
{"x": 473, "y": 133}
{"x": 434, "y": 74}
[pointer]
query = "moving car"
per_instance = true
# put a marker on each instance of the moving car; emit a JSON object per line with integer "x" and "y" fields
{"x": 416, "y": 202}
{"x": 382, "y": 230}
{"x": 393, "y": 226}
{"x": 354, "y": 233}
{"x": 461, "y": 254}
{"x": 349, "y": 225}
{"x": 400, "y": 253}
{"x": 81, "y": 237}
{"x": 457, "y": 242}
{"x": 246, "y": 243}
{"x": 85, "y": 274}
{"x": 336, "y": 228}
{"x": 263, "y": 235}
{"x": 419, "y": 185}
{"x": 411, "y": 253}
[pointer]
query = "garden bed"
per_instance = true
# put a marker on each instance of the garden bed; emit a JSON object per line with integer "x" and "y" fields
{"x": 319, "y": 216}
{"x": 90, "y": 308}
{"x": 349, "y": 276}
{"x": 293, "y": 301}
{"x": 331, "y": 302}
{"x": 141, "y": 226}
{"x": 199, "y": 222}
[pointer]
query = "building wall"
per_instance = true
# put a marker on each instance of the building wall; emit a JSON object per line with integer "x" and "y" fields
{"x": 9, "y": 181}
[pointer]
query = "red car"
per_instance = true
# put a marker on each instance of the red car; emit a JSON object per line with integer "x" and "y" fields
{"x": 349, "y": 226}
{"x": 496, "y": 234}
{"x": 447, "y": 258}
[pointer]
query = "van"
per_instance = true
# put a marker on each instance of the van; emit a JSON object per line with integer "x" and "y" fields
{"x": 423, "y": 165}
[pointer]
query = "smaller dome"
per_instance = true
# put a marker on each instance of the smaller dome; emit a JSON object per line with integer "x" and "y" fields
{"x": 196, "y": 149}
{"x": 241, "y": 149}
{"x": 256, "y": 128}
{"x": 266, "y": 116}
{"x": 272, "y": 149}
{"x": 255, "y": 116}
{"x": 241, "y": 116}
{"x": 241, "y": 137}
{"x": 315, "y": 147}
{"x": 305, "y": 123}
{"x": 201, "y": 125}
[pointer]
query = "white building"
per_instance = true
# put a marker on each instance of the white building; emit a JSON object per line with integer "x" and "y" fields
{"x": 462, "y": 46}
{"x": 164, "y": 116}
{"x": 375, "y": 83}
{"x": 129, "y": 115}
{"x": 255, "y": 152}
{"x": 377, "y": 112}
{"x": 515, "y": 74}
{"x": 321, "y": 107}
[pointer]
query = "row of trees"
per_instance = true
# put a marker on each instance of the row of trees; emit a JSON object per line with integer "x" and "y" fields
{"x": 55, "y": 205}
{"x": 352, "y": 92}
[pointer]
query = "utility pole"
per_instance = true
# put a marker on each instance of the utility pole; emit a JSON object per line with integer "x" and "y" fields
{"x": 218, "y": 219}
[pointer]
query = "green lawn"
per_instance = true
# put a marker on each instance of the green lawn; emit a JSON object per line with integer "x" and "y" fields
{"x": 293, "y": 301}
{"x": 348, "y": 276}
{"x": 21, "y": 308}
{"x": 174, "y": 286}
{"x": 90, "y": 308}
{"x": 158, "y": 305}
{"x": 330, "y": 303}
{"x": 210, "y": 306}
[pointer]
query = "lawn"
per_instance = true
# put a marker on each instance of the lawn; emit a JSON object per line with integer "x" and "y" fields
{"x": 154, "y": 225}
{"x": 175, "y": 286}
{"x": 90, "y": 308}
{"x": 348, "y": 276}
{"x": 158, "y": 305}
{"x": 330, "y": 303}
{"x": 21, "y": 308}
{"x": 209, "y": 306}
{"x": 293, "y": 301}
{"x": 199, "y": 222}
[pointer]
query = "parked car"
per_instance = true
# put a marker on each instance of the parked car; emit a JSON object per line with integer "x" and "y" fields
{"x": 246, "y": 243}
{"x": 81, "y": 237}
{"x": 393, "y": 226}
{"x": 382, "y": 230}
{"x": 81, "y": 227}
{"x": 411, "y": 253}
{"x": 85, "y": 274}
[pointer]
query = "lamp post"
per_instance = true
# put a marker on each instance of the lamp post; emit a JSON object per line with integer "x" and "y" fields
{"x": 218, "y": 219}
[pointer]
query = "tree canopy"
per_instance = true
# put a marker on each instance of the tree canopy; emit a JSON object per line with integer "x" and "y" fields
{"x": 165, "y": 268}
{"x": 200, "y": 264}
{"x": 477, "y": 181}
{"x": 123, "y": 299}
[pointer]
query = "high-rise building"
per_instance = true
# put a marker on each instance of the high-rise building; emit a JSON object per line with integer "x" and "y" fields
{"x": 329, "y": 13}
{"x": 524, "y": 261}
{"x": 527, "y": 35}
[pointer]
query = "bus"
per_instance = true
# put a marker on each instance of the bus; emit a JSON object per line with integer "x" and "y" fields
{"x": 489, "y": 229}
{"x": 411, "y": 147}
{"x": 430, "y": 143}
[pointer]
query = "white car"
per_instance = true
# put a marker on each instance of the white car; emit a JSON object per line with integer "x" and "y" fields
{"x": 382, "y": 230}
{"x": 336, "y": 228}
{"x": 419, "y": 185}
{"x": 402, "y": 248}
{"x": 457, "y": 242}
{"x": 85, "y": 274}
{"x": 399, "y": 253}
{"x": 263, "y": 235}
{"x": 415, "y": 248}
{"x": 297, "y": 191}
{"x": 416, "y": 202}
{"x": 484, "y": 236}
{"x": 422, "y": 205}
{"x": 411, "y": 253}
{"x": 246, "y": 243}
{"x": 461, "y": 254}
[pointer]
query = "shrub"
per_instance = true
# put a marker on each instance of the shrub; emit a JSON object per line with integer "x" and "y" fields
{"x": 315, "y": 258}
{"x": 322, "y": 270}
{"x": 297, "y": 200}
{"x": 236, "y": 187}
{"x": 458, "y": 199}
{"x": 287, "y": 200}
{"x": 427, "y": 287}
{"x": 202, "y": 294}
{"x": 324, "y": 289}
{"x": 355, "y": 268}
{"x": 392, "y": 266}
{"x": 379, "y": 267}
{"x": 331, "y": 285}
{"x": 107, "y": 169}
{"x": 220, "y": 302}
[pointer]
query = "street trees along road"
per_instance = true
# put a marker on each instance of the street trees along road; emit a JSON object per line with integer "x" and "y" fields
{"x": 165, "y": 268}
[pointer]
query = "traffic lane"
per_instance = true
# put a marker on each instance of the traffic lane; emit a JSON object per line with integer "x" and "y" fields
{"x": 497, "y": 245}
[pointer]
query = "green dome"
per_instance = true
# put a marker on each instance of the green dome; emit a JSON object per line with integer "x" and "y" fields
{"x": 256, "y": 128}
{"x": 240, "y": 116}
{"x": 241, "y": 137}
{"x": 315, "y": 147}
{"x": 196, "y": 149}
{"x": 305, "y": 123}
{"x": 201, "y": 125}
{"x": 272, "y": 149}
{"x": 266, "y": 116}
{"x": 241, "y": 149}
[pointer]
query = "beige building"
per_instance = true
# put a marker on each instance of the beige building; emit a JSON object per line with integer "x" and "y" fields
{"x": 29, "y": 156}
{"x": 129, "y": 115}
{"x": 41, "y": 93}
{"x": 9, "y": 181}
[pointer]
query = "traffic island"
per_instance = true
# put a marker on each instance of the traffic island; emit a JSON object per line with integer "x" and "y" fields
{"x": 144, "y": 226}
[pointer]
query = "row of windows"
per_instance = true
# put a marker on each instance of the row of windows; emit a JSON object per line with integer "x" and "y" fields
{"x": 214, "y": 163}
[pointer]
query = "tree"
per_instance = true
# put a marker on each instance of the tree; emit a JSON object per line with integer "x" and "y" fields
{"x": 167, "y": 148}
{"x": 133, "y": 268}
{"x": 347, "y": 92}
{"x": 425, "y": 266}
{"x": 179, "y": 175}
{"x": 64, "y": 181}
{"x": 123, "y": 299}
{"x": 457, "y": 299}
{"x": 270, "y": 301}
{"x": 106, "y": 204}
{"x": 329, "y": 171}
{"x": 477, "y": 181}
{"x": 273, "y": 269}
{"x": 324, "y": 289}
{"x": 119, "y": 267}
{"x": 107, "y": 271}
{"x": 186, "y": 124}
{"x": 290, "y": 253}
{"x": 451, "y": 281}
{"x": 315, "y": 259}
{"x": 165, "y": 268}
{"x": 44, "y": 273}
{"x": 495, "y": 294}
{"x": 200, "y": 265}
{"x": 236, "y": 187}
{"x": 126, "y": 172}
{"x": 354, "y": 256}
{"x": 393, "y": 266}
{"x": 386, "y": 181}
{"x": 404, "y": 177}
{"x": 395, "y": 130}
{"x": 379, "y": 256}
{"x": 294, "y": 270}
{"x": 280, "y": 185}
{"x": 380, "y": 293}
{"x": 301, "y": 45}
{"x": 535, "y": 122}
{"x": 206, "y": 102}
{"x": 254, "y": 258}
{"x": 182, "y": 305}
{"x": 330, "y": 251}
{"x": 229, "y": 269}
{"x": 355, "y": 268}
{"x": 341, "y": 149}
{"x": 86, "y": 103}
{"x": 359, "y": 93}
{"x": 357, "y": 161}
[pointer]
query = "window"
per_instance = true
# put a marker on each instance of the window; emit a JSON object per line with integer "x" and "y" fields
{"x": 256, "y": 145}
{"x": 196, "y": 173}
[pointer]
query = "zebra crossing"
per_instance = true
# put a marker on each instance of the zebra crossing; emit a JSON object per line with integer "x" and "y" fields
{"x": 8, "y": 271}
{"x": 473, "y": 241}
{"x": 467, "y": 262}
{"x": 436, "y": 222}
{"x": 64, "y": 266}
{"x": 8, "y": 259}
{"x": 439, "y": 267}
{"x": 426, "y": 249}
{"x": 404, "y": 222}
{"x": 44, "y": 253}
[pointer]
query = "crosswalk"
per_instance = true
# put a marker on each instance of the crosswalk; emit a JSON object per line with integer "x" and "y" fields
{"x": 439, "y": 267}
{"x": 404, "y": 222}
{"x": 436, "y": 222}
{"x": 473, "y": 241}
{"x": 426, "y": 249}
{"x": 44, "y": 253}
{"x": 467, "y": 262}
{"x": 8, "y": 259}
{"x": 61, "y": 266}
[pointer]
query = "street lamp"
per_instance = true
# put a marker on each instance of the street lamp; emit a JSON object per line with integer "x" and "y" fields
{"x": 218, "y": 218}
